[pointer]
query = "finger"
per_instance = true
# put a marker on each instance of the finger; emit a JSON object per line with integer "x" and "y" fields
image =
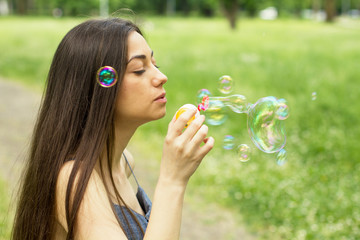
{"x": 176, "y": 126}
{"x": 194, "y": 126}
{"x": 205, "y": 149}
{"x": 171, "y": 123}
{"x": 205, "y": 140}
{"x": 199, "y": 138}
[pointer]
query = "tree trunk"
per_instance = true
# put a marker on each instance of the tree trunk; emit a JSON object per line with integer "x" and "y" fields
{"x": 316, "y": 6}
{"x": 21, "y": 7}
{"x": 330, "y": 10}
{"x": 230, "y": 8}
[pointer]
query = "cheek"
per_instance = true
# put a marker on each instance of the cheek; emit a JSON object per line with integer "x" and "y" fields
{"x": 131, "y": 96}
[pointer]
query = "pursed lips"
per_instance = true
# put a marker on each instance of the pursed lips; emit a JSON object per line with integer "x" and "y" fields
{"x": 161, "y": 98}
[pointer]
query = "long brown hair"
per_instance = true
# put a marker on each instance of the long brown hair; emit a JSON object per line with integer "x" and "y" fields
{"x": 76, "y": 118}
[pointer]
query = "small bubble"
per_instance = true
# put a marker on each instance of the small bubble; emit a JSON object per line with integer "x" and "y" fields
{"x": 225, "y": 84}
{"x": 200, "y": 95}
{"x": 313, "y": 96}
{"x": 282, "y": 111}
{"x": 228, "y": 142}
{"x": 244, "y": 152}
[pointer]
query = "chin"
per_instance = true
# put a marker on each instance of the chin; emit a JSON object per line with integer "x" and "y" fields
{"x": 161, "y": 115}
{"x": 154, "y": 117}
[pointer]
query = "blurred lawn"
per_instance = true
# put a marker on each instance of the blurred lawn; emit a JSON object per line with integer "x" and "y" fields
{"x": 315, "y": 195}
{"x": 5, "y": 212}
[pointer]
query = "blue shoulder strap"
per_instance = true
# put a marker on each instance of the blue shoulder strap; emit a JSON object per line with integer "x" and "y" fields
{"x": 131, "y": 169}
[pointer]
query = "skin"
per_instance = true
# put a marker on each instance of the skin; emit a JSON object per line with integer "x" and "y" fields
{"x": 183, "y": 151}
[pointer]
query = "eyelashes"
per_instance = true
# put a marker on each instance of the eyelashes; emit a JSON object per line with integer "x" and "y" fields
{"x": 139, "y": 72}
{"x": 142, "y": 71}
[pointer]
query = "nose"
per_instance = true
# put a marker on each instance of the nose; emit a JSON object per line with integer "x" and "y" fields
{"x": 159, "y": 78}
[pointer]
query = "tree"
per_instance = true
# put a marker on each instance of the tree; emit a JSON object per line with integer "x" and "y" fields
{"x": 21, "y": 6}
{"x": 230, "y": 8}
{"x": 251, "y": 7}
{"x": 330, "y": 10}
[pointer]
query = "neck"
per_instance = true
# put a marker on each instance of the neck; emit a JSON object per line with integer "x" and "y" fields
{"x": 122, "y": 138}
{"x": 123, "y": 134}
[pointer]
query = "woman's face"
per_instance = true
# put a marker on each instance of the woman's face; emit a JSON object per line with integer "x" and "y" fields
{"x": 142, "y": 96}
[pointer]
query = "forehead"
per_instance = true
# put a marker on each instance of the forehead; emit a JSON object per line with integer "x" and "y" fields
{"x": 137, "y": 45}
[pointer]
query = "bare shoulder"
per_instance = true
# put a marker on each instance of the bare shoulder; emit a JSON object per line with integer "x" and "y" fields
{"x": 96, "y": 219}
{"x": 60, "y": 195}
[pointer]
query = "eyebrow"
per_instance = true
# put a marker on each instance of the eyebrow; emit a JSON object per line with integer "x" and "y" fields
{"x": 140, "y": 56}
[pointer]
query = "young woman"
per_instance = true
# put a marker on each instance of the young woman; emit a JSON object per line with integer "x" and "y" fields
{"x": 102, "y": 85}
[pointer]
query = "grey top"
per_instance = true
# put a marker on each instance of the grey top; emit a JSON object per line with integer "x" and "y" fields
{"x": 128, "y": 223}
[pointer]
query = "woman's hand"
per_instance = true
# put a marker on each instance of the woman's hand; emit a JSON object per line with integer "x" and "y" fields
{"x": 183, "y": 150}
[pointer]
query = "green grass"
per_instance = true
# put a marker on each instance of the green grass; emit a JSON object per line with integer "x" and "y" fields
{"x": 5, "y": 212}
{"x": 27, "y": 46}
{"x": 315, "y": 195}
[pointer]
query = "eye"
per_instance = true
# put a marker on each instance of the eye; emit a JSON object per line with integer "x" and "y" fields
{"x": 139, "y": 72}
{"x": 154, "y": 62}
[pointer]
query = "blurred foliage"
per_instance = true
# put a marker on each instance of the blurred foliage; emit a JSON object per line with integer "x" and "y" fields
{"x": 185, "y": 7}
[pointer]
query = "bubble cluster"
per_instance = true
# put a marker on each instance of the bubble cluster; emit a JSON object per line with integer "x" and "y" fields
{"x": 228, "y": 142}
{"x": 265, "y": 119}
{"x": 244, "y": 152}
{"x": 225, "y": 84}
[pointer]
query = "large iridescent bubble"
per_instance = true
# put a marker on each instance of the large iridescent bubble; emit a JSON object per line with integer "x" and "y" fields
{"x": 265, "y": 127}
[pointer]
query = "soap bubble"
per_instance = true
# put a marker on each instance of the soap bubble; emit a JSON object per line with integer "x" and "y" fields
{"x": 313, "y": 96}
{"x": 244, "y": 152}
{"x": 107, "y": 76}
{"x": 228, "y": 142}
{"x": 265, "y": 128}
{"x": 225, "y": 84}
{"x": 281, "y": 157}
{"x": 204, "y": 105}
{"x": 237, "y": 103}
{"x": 200, "y": 95}
{"x": 215, "y": 114}
{"x": 283, "y": 110}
